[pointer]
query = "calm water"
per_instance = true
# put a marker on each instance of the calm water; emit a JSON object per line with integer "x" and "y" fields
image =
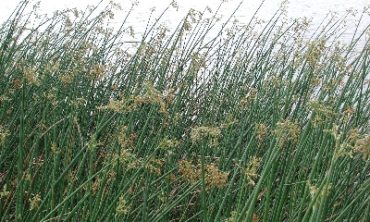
{"x": 314, "y": 9}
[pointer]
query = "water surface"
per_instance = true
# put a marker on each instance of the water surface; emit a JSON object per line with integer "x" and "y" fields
{"x": 317, "y": 10}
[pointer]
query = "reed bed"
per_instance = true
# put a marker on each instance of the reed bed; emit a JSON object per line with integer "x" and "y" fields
{"x": 254, "y": 123}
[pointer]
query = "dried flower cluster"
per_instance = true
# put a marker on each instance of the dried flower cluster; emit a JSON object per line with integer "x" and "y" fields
{"x": 214, "y": 178}
{"x": 358, "y": 143}
{"x": 151, "y": 96}
{"x": 249, "y": 98}
{"x": 35, "y": 201}
{"x": 286, "y": 131}
{"x": 168, "y": 144}
{"x": 322, "y": 113}
{"x": 123, "y": 207}
{"x": 200, "y": 133}
{"x": 251, "y": 170}
{"x": 3, "y": 134}
{"x": 261, "y": 132}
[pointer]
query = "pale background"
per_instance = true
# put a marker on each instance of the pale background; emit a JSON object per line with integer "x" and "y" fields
{"x": 315, "y": 9}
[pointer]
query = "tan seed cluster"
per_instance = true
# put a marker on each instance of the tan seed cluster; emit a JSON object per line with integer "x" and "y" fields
{"x": 286, "y": 131}
{"x": 362, "y": 145}
{"x": 249, "y": 98}
{"x": 321, "y": 112}
{"x": 4, "y": 193}
{"x": 125, "y": 141}
{"x": 214, "y": 178}
{"x": 251, "y": 170}
{"x": 261, "y": 132}
{"x": 123, "y": 207}
{"x": 32, "y": 76}
{"x": 198, "y": 134}
{"x": 316, "y": 49}
{"x": 3, "y": 134}
{"x": 154, "y": 166}
{"x": 35, "y": 201}
{"x": 168, "y": 144}
{"x": 151, "y": 96}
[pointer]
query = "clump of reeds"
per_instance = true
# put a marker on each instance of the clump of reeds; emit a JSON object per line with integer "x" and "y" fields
{"x": 252, "y": 123}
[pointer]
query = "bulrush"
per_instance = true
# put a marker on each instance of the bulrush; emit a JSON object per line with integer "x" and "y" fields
{"x": 210, "y": 120}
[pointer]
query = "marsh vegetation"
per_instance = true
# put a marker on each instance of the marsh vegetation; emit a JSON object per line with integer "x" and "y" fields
{"x": 252, "y": 123}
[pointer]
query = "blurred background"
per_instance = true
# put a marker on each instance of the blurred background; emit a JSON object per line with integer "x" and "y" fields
{"x": 316, "y": 10}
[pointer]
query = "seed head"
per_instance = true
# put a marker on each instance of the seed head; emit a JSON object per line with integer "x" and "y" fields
{"x": 123, "y": 207}
{"x": 198, "y": 134}
{"x": 4, "y": 133}
{"x": 261, "y": 132}
{"x": 214, "y": 178}
{"x": 286, "y": 131}
{"x": 35, "y": 201}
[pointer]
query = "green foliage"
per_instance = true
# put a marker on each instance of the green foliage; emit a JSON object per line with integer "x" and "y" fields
{"x": 260, "y": 124}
